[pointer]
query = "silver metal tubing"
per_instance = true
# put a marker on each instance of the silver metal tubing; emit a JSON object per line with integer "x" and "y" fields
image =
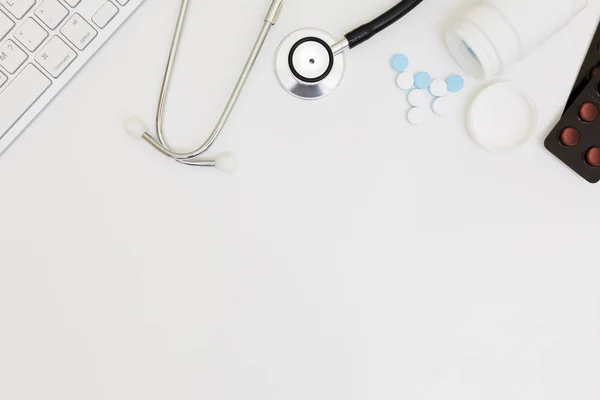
{"x": 340, "y": 46}
{"x": 199, "y": 163}
{"x": 160, "y": 143}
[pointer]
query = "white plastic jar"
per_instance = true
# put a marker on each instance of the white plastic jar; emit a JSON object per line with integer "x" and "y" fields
{"x": 498, "y": 33}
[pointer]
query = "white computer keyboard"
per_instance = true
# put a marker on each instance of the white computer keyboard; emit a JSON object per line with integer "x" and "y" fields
{"x": 43, "y": 44}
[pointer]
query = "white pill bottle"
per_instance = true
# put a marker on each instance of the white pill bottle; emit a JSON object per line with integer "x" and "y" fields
{"x": 496, "y": 34}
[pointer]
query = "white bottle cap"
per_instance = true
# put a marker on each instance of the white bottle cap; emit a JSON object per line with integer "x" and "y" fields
{"x": 502, "y": 117}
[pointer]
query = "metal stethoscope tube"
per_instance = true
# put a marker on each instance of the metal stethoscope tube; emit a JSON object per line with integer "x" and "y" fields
{"x": 225, "y": 160}
{"x": 296, "y": 83}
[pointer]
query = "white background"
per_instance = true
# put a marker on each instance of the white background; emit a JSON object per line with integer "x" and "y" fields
{"x": 351, "y": 257}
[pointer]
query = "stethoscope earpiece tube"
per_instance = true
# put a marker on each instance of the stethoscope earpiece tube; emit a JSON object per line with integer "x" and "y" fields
{"x": 368, "y": 30}
{"x": 224, "y": 162}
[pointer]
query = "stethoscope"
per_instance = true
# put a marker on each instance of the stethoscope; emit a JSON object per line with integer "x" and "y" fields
{"x": 310, "y": 64}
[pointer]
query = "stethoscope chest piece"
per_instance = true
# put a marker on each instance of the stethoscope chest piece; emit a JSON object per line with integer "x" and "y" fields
{"x": 306, "y": 65}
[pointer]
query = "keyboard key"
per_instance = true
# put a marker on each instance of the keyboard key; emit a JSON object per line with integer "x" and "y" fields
{"x": 20, "y": 94}
{"x": 31, "y": 34}
{"x": 51, "y": 13}
{"x": 105, "y": 14}
{"x": 41, "y": 50}
{"x": 6, "y": 25}
{"x": 55, "y": 57}
{"x": 18, "y": 8}
{"x": 11, "y": 56}
{"x": 78, "y": 31}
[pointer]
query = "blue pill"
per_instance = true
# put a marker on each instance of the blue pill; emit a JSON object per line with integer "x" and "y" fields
{"x": 456, "y": 83}
{"x": 422, "y": 80}
{"x": 400, "y": 62}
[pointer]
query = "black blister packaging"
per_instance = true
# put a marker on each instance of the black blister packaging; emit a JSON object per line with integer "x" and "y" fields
{"x": 589, "y": 70}
{"x": 576, "y": 138}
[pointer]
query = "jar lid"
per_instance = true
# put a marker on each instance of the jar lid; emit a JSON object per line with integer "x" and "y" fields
{"x": 501, "y": 117}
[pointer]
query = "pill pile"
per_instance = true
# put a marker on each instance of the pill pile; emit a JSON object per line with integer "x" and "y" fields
{"x": 421, "y": 87}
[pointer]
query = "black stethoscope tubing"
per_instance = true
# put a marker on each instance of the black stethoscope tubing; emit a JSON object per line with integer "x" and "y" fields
{"x": 354, "y": 38}
{"x": 370, "y": 29}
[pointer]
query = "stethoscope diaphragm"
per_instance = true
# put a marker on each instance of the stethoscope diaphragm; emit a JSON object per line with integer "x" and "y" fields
{"x": 306, "y": 66}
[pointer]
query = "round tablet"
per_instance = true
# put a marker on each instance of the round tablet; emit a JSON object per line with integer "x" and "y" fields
{"x": 593, "y": 73}
{"x": 589, "y": 112}
{"x": 422, "y": 80}
{"x": 438, "y": 88}
{"x": 417, "y": 98}
{"x": 416, "y": 115}
{"x": 455, "y": 83}
{"x": 440, "y": 106}
{"x": 570, "y": 137}
{"x": 593, "y": 157}
{"x": 405, "y": 80}
{"x": 400, "y": 62}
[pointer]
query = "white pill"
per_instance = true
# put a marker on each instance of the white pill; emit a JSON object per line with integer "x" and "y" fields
{"x": 417, "y": 98}
{"x": 405, "y": 80}
{"x": 440, "y": 106}
{"x": 416, "y": 115}
{"x": 438, "y": 87}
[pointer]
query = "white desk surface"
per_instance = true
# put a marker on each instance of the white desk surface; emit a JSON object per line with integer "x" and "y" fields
{"x": 351, "y": 257}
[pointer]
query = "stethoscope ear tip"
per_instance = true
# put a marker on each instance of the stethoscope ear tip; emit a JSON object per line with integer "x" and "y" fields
{"x": 135, "y": 127}
{"x": 225, "y": 162}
